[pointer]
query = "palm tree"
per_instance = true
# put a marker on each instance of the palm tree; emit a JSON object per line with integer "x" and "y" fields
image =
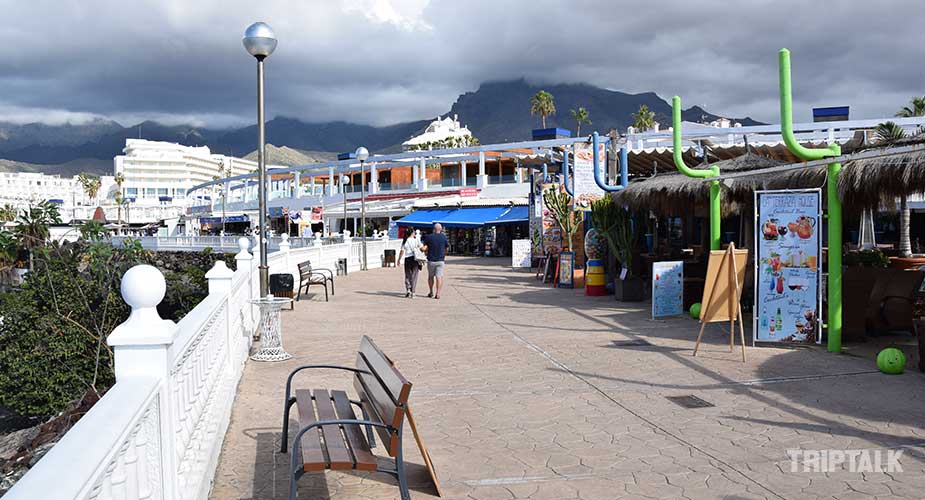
{"x": 580, "y": 116}
{"x": 916, "y": 108}
{"x": 119, "y": 178}
{"x": 543, "y": 104}
{"x": 887, "y": 133}
{"x": 8, "y": 213}
{"x": 32, "y": 226}
{"x": 90, "y": 184}
{"x": 643, "y": 119}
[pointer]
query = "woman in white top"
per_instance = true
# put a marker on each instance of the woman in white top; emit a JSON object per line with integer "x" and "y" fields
{"x": 411, "y": 247}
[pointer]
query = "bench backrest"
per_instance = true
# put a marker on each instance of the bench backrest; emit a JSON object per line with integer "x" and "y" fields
{"x": 383, "y": 391}
{"x": 305, "y": 268}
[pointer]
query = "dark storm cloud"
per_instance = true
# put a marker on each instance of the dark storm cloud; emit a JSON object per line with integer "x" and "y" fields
{"x": 380, "y": 61}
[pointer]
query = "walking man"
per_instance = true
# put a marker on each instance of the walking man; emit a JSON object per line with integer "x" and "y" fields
{"x": 436, "y": 244}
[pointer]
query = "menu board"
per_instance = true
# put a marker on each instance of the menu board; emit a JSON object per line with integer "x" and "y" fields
{"x": 551, "y": 232}
{"x": 521, "y": 253}
{"x": 585, "y": 187}
{"x": 667, "y": 288}
{"x": 566, "y": 270}
{"x": 787, "y": 274}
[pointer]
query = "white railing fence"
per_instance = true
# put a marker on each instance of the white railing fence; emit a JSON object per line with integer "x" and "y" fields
{"x": 157, "y": 433}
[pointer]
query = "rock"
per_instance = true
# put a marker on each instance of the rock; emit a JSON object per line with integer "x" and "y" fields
{"x": 40, "y": 452}
{"x": 11, "y": 443}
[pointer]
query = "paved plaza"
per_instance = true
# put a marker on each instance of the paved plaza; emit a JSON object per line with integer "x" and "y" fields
{"x": 524, "y": 391}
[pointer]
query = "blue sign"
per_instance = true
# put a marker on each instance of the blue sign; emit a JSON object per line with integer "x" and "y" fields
{"x": 667, "y": 288}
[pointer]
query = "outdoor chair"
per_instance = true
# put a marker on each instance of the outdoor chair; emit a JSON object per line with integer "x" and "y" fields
{"x": 334, "y": 440}
{"x": 308, "y": 277}
{"x": 327, "y": 273}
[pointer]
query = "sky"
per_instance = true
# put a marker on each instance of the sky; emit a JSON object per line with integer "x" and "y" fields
{"x": 380, "y": 62}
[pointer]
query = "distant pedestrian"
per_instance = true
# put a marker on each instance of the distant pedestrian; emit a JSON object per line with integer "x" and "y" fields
{"x": 436, "y": 244}
{"x": 412, "y": 256}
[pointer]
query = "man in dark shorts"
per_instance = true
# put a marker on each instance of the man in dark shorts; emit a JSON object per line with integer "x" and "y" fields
{"x": 437, "y": 244}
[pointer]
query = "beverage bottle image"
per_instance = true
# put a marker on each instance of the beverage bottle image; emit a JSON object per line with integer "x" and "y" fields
{"x": 764, "y": 318}
{"x": 780, "y": 285}
{"x": 780, "y": 321}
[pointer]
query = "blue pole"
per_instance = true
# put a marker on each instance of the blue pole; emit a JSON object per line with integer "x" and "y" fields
{"x": 595, "y": 141}
{"x": 568, "y": 189}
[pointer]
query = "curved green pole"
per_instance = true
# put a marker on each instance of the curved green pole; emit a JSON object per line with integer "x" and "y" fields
{"x": 834, "y": 203}
{"x": 713, "y": 171}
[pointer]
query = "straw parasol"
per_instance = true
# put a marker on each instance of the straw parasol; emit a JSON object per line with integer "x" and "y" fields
{"x": 675, "y": 193}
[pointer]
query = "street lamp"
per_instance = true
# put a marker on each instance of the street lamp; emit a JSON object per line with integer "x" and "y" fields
{"x": 344, "y": 180}
{"x": 260, "y": 41}
{"x": 362, "y": 154}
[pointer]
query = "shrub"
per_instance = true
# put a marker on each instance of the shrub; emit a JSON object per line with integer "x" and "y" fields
{"x": 867, "y": 258}
{"x": 53, "y": 332}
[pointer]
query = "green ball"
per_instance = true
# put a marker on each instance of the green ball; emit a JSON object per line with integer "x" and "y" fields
{"x": 695, "y": 310}
{"x": 891, "y": 360}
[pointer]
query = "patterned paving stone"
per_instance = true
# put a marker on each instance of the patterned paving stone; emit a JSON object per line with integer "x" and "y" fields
{"x": 524, "y": 395}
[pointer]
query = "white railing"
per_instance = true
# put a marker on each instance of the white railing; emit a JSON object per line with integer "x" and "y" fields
{"x": 157, "y": 433}
{"x": 216, "y": 243}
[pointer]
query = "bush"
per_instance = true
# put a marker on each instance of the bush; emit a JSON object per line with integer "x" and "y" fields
{"x": 867, "y": 258}
{"x": 53, "y": 333}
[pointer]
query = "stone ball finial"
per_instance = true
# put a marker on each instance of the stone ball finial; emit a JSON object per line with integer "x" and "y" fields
{"x": 244, "y": 243}
{"x": 284, "y": 236}
{"x": 143, "y": 287}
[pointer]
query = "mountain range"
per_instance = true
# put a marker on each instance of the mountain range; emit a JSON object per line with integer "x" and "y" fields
{"x": 496, "y": 112}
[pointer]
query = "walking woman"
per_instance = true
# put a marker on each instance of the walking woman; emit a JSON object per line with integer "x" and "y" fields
{"x": 411, "y": 249}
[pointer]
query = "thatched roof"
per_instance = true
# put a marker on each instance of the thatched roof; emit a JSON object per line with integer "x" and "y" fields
{"x": 870, "y": 182}
{"x": 676, "y": 193}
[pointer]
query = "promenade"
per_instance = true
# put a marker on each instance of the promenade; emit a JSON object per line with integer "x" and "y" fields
{"x": 523, "y": 391}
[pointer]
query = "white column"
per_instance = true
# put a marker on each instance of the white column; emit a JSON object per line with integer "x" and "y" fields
{"x": 312, "y": 184}
{"x": 462, "y": 174}
{"x": 422, "y": 177}
{"x": 416, "y": 175}
{"x": 140, "y": 346}
{"x": 518, "y": 173}
{"x": 297, "y": 180}
{"x": 331, "y": 191}
{"x": 482, "y": 180}
{"x": 373, "y": 179}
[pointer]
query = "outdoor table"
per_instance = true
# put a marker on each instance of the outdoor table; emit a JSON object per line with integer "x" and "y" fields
{"x": 271, "y": 333}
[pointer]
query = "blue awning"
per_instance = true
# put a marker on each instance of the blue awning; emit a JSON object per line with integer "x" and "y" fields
{"x": 471, "y": 217}
{"x": 513, "y": 215}
{"x": 424, "y": 218}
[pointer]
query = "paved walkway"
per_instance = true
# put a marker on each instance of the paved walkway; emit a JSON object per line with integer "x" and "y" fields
{"x": 523, "y": 391}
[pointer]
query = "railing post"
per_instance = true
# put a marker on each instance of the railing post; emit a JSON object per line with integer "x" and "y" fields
{"x": 284, "y": 247}
{"x": 220, "y": 278}
{"x": 140, "y": 346}
{"x": 244, "y": 261}
{"x": 317, "y": 241}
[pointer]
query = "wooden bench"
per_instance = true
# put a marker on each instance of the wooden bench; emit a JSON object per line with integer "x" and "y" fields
{"x": 314, "y": 276}
{"x": 330, "y": 435}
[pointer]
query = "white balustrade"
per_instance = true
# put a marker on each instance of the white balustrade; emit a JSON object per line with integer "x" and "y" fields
{"x": 157, "y": 433}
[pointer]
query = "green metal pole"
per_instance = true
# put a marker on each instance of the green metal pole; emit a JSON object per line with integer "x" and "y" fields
{"x": 833, "y": 202}
{"x": 713, "y": 171}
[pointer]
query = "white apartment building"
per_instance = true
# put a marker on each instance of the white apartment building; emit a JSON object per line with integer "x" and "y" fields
{"x": 160, "y": 173}
{"x": 23, "y": 188}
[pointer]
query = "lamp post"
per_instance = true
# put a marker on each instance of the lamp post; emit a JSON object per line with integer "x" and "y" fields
{"x": 362, "y": 154}
{"x": 260, "y": 41}
{"x": 344, "y": 180}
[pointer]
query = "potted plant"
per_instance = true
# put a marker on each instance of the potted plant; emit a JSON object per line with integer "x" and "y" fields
{"x": 616, "y": 227}
{"x": 558, "y": 203}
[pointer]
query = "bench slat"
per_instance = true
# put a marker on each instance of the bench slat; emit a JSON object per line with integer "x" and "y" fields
{"x": 312, "y": 453}
{"x": 399, "y": 387}
{"x": 378, "y": 402}
{"x": 338, "y": 454}
{"x": 365, "y": 460}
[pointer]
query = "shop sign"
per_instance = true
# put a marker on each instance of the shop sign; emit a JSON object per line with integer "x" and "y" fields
{"x": 468, "y": 192}
{"x": 585, "y": 188}
{"x": 787, "y": 274}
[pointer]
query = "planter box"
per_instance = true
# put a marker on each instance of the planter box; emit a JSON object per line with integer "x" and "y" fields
{"x": 630, "y": 290}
